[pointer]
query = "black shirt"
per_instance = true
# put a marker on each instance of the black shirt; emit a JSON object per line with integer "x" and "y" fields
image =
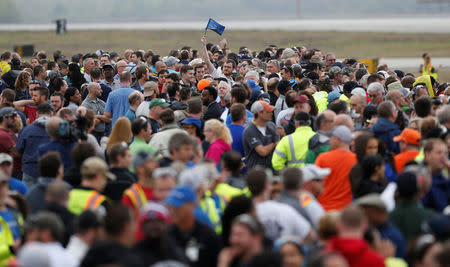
{"x": 152, "y": 252}
{"x": 201, "y": 245}
{"x": 155, "y": 125}
{"x": 213, "y": 112}
{"x": 253, "y": 137}
{"x": 109, "y": 253}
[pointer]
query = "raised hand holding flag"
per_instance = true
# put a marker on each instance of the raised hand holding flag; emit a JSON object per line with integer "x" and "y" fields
{"x": 214, "y": 26}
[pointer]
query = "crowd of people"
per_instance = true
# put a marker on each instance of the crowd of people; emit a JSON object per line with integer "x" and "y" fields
{"x": 212, "y": 157}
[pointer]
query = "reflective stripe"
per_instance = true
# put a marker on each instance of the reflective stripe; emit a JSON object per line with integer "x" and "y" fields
{"x": 279, "y": 153}
{"x": 137, "y": 197}
{"x": 293, "y": 160}
{"x": 92, "y": 201}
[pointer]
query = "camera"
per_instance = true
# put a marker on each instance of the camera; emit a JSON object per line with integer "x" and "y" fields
{"x": 73, "y": 131}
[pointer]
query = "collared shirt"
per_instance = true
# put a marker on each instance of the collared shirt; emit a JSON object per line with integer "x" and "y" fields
{"x": 98, "y": 106}
{"x": 139, "y": 145}
{"x": 117, "y": 103}
{"x": 114, "y": 85}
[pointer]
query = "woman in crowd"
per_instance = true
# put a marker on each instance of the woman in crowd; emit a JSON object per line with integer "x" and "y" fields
{"x": 72, "y": 99}
{"x": 372, "y": 176}
{"x": 219, "y": 137}
{"x": 121, "y": 132}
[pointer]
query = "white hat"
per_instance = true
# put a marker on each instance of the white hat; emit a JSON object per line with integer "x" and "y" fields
{"x": 312, "y": 172}
{"x": 5, "y": 158}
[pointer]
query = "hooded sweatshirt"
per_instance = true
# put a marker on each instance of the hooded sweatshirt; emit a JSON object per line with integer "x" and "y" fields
{"x": 216, "y": 149}
{"x": 356, "y": 252}
{"x": 386, "y": 130}
{"x": 29, "y": 140}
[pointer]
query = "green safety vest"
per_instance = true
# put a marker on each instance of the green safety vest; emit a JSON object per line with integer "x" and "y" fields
{"x": 208, "y": 205}
{"x": 82, "y": 199}
{"x": 6, "y": 240}
{"x": 321, "y": 100}
{"x": 291, "y": 150}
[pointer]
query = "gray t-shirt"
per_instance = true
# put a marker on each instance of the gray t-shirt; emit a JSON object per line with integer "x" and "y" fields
{"x": 98, "y": 106}
{"x": 253, "y": 137}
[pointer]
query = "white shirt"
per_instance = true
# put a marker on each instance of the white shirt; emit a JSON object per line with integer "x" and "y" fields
{"x": 77, "y": 248}
{"x": 280, "y": 220}
{"x": 46, "y": 254}
{"x": 143, "y": 109}
{"x": 284, "y": 116}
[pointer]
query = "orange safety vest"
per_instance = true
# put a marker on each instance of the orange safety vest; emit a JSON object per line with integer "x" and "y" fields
{"x": 137, "y": 197}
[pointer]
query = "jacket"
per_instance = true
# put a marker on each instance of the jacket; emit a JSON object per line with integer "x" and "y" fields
{"x": 213, "y": 111}
{"x": 291, "y": 150}
{"x": 36, "y": 196}
{"x": 160, "y": 140}
{"x": 385, "y": 130}
{"x": 439, "y": 195}
{"x": 356, "y": 252}
{"x": 216, "y": 149}
{"x": 28, "y": 142}
{"x": 318, "y": 144}
{"x": 6, "y": 240}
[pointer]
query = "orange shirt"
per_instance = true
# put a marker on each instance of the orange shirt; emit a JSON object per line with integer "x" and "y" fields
{"x": 403, "y": 158}
{"x": 337, "y": 192}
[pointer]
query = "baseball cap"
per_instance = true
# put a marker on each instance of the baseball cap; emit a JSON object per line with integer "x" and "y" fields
{"x": 95, "y": 165}
{"x": 261, "y": 105}
{"x": 253, "y": 85}
{"x": 150, "y": 88}
{"x": 5, "y": 112}
{"x": 170, "y": 61}
{"x": 154, "y": 210}
{"x": 334, "y": 70}
{"x": 141, "y": 158}
{"x": 192, "y": 120}
{"x": 301, "y": 99}
{"x": 159, "y": 102}
{"x": 409, "y": 136}
{"x": 343, "y": 133}
{"x": 202, "y": 84}
{"x": 333, "y": 96}
{"x": 313, "y": 172}
{"x": 5, "y": 158}
{"x": 107, "y": 66}
{"x": 395, "y": 86}
{"x": 195, "y": 62}
{"x": 371, "y": 200}
{"x": 180, "y": 195}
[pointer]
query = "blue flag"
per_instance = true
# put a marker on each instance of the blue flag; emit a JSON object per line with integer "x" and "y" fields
{"x": 215, "y": 26}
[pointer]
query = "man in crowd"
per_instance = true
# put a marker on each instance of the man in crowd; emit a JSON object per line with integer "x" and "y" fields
{"x": 260, "y": 137}
{"x": 337, "y": 192}
{"x": 117, "y": 104}
{"x": 97, "y": 105}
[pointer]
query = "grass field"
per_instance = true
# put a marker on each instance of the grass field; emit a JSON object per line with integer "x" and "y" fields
{"x": 343, "y": 44}
{"x": 359, "y": 45}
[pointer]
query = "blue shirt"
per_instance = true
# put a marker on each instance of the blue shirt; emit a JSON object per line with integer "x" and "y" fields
{"x": 237, "y": 131}
{"x": 389, "y": 231}
{"x": 64, "y": 149}
{"x": 117, "y": 103}
{"x": 11, "y": 222}
{"x": 131, "y": 115}
{"x": 17, "y": 185}
{"x": 438, "y": 196}
{"x": 249, "y": 118}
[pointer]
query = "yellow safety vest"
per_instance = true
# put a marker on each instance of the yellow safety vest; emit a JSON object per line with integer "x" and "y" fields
{"x": 321, "y": 100}
{"x": 228, "y": 191}
{"x": 291, "y": 150}
{"x": 84, "y": 199}
{"x": 6, "y": 240}
{"x": 344, "y": 98}
{"x": 137, "y": 197}
{"x": 426, "y": 70}
{"x": 208, "y": 205}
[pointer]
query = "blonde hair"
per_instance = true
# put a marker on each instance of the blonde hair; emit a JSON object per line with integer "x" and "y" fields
{"x": 121, "y": 132}
{"x": 21, "y": 81}
{"x": 220, "y": 130}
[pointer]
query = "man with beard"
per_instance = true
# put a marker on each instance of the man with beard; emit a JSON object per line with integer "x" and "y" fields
{"x": 156, "y": 246}
{"x": 109, "y": 72}
{"x": 226, "y": 71}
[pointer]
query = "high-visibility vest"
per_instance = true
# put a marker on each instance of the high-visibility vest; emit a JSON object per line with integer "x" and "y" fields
{"x": 137, "y": 197}
{"x": 426, "y": 70}
{"x": 208, "y": 205}
{"x": 344, "y": 98}
{"x": 84, "y": 199}
{"x": 321, "y": 100}
{"x": 291, "y": 150}
{"x": 6, "y": 240}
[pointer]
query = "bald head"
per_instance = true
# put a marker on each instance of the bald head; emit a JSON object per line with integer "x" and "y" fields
{"x": 52, "y": 126}
{"x": 344, "y": 119}
{"x": 395, "y": 96}
{"x": 95, "y": 90}
{"x": 325, "y": 120}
